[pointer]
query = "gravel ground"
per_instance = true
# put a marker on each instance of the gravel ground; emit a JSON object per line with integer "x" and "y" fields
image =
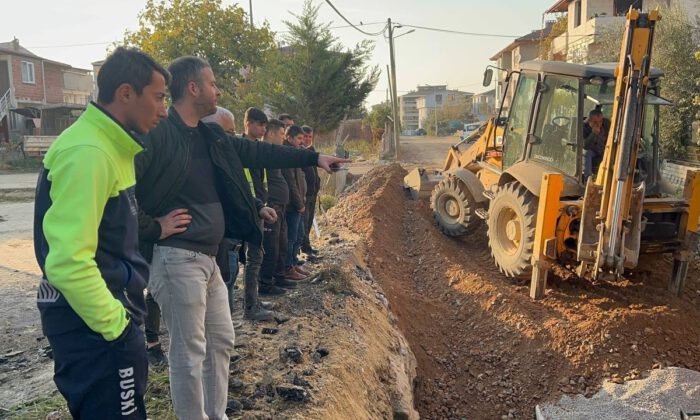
{"x": 660, "y": 396}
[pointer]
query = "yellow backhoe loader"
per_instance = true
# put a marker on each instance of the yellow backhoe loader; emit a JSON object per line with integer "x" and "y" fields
{"x": 523, "y": 177}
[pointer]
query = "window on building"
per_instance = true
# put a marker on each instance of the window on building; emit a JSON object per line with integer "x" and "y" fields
{"x": 622, "y": 6}
{"x": 438, "y": 99}
{"x": 577, "y": 13}
{"x": 28, "y": 72}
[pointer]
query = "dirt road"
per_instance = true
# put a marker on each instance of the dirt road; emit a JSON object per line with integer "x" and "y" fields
{"x": 424, "y": 151}
{"x": 25, "y": 369}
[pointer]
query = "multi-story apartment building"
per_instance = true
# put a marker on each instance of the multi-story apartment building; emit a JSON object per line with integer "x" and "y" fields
{"x": 415, "y": 105}
{"x": 589, "y": 20}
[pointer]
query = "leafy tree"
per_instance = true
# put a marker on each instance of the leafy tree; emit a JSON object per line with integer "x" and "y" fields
{"x": 313, "y": 77}
{"x": 450, "y": 118}
{"x": 206, "y": 28}
{"x": 378, "y": 115}
{"x": 558, "y": 28}
{"x": 675, "y": 46}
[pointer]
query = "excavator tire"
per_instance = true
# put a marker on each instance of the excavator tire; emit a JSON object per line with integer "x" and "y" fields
{"x": 511, "y": 229}
{"x": 454, "y": 207}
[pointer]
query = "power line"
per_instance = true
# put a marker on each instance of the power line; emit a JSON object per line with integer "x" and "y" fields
{"x": 351, "y": 24}
{"x": 342, "y": 26}
{"x": 427, "y": 28}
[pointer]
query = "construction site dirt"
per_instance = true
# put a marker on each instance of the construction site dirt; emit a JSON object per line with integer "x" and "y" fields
{"x": 484, "y": 348}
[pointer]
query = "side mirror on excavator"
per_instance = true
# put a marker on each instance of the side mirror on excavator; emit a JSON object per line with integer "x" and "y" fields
{"x": 488, "y": 76}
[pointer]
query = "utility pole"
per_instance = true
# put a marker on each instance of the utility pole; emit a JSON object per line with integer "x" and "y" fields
{"x": 394, "y": 94}
{"x": 436, "y": 108}
{"x": 250, "y": 4}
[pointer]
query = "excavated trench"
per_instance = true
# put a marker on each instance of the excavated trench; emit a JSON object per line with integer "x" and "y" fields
{"x": 484, "y": 349}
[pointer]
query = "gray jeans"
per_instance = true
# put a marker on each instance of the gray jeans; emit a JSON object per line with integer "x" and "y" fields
{"x": 192, "y": 296}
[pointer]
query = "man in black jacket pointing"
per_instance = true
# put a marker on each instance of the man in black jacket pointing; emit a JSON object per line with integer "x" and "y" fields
{"x": 192, "y": 192}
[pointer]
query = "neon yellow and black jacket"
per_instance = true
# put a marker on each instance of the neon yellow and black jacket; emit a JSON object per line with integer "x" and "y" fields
{"x": 86, "y": 230}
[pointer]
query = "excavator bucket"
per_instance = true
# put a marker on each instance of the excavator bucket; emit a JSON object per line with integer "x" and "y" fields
{"x": 420, "y": 182}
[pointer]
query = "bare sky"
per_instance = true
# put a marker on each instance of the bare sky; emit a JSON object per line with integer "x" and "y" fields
{"x": 48, "y": 27}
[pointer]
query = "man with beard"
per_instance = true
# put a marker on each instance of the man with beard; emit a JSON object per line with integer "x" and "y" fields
{"x": 192, "y": 193}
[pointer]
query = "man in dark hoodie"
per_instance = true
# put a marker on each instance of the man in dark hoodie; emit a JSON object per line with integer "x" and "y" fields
{"x": 275, "y": 238}
{"x": 86, "y": 242}
{"x": 313, "y": 186}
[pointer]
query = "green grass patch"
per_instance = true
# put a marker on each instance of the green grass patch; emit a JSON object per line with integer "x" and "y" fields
{"x": 158, "y": 404}
{"x": 38, "y": 409}
{"x": 327, "y": 201}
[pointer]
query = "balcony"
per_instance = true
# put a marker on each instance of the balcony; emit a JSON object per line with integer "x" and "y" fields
{"x": 587, "y": 33}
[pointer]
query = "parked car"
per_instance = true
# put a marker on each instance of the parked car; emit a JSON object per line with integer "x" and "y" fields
{"x": 469, "y": 129}
{"x": 421, "y": 132}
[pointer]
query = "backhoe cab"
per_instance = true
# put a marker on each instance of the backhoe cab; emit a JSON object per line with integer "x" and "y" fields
{"x": 524, "y": 176}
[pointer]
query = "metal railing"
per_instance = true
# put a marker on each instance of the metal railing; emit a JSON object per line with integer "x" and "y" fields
{"x": 5, "y": 103}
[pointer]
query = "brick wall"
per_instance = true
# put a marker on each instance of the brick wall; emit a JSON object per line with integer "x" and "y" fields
{"x": 54, "y": 84}
{"x": 24, "y": 91}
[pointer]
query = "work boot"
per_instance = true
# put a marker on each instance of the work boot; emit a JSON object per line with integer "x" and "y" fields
{"x": 156, "y": 356}
{"x": 304, "y": 272}
{"x": 287, "y": 284}
{"x": 258, "y": 314}
{"x": 293, "y": 275}
{"x": 271, "y": 290}
{"x": 309, "y": 251}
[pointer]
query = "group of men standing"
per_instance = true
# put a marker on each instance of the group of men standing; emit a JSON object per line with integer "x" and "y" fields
{"x": 132, "y": 196}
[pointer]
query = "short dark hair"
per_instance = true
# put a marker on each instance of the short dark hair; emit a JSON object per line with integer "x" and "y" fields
{"x": 274, "y": 124}
{"x": 293, "y": 131}
{"x": 126, "y": 65}
{"x": 284, "y": 117}
{"x": 255, "y": 114}
{"x": 307, "y": 129}
{"x": 184, "y": 70}
{"x": 595, "y": 112}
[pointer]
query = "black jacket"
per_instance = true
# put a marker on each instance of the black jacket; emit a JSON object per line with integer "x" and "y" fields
{"x": 163, "y": 166}
{"x": 297, "y": 184}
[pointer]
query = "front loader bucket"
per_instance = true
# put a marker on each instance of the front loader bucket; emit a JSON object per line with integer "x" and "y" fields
{"x": 420, "y": 182}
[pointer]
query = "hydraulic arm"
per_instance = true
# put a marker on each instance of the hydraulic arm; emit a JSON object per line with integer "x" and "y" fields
{"x": 612, "y": 207}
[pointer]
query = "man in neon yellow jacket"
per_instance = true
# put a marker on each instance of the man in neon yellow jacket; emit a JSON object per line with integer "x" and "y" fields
{"x": 86, "y": 242}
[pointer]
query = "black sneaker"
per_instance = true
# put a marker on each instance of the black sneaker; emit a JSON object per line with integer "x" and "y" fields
{"x": 156, "y": 356}
{"x": 309, "y": 251}
{"x": 270, "y": 290}
{"x": 287, "y": 284}
{"x": 259, "y": 314}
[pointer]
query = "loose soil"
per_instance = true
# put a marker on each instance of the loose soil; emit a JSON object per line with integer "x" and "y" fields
{"x": 484, "y": 348}
{"x": 337, "y": 352}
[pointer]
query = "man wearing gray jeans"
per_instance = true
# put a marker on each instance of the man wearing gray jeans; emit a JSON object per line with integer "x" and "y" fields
{"x": 192, "y": 192}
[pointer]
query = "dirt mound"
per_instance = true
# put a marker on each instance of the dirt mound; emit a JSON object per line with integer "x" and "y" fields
{"x": 484, "y": 348}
